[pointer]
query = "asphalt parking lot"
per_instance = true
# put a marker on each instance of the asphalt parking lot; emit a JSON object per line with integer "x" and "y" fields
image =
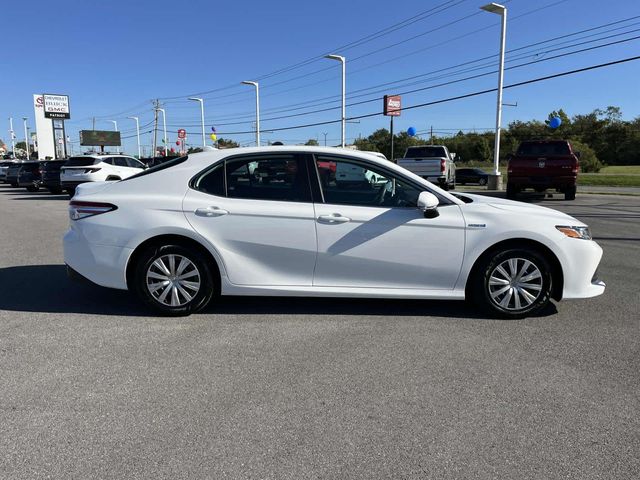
{"x": 267, "y": 388}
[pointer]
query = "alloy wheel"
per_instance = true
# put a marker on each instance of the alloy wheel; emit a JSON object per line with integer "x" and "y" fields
{"x": 515, "y": 284}
{"x": 173, "y": 280}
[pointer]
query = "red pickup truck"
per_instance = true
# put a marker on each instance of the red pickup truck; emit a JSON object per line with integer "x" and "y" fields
{"x": 541, "y": 165}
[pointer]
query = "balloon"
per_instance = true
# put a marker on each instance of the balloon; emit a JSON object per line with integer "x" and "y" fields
{"x": 411, "y": 131}
{"x": 555, "y": 122}
{"x": 178, "y": 142}
{"x": 172, "y": 150}
{"x": 213, "y": 137}
{"x": 213, "y": 129}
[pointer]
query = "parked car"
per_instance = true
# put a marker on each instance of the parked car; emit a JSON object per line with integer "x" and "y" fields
{"x": 12, "y": 174}
{"x": 51, "y": 175}
{"x": 4, "y": 166}
{"x": 30, "y": 176}
{"x": 431, "y": 162}
{"x": 97, "y": 168}
{"x": 180, "y": 234}
{"x": 541, "y": 165}
{"x": 471, "y": 175}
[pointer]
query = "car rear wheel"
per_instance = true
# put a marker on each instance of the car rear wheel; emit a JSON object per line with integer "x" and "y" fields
{"x": 570, "y": 193}
{"x": 173, "y": 280}
{"x": 32, "y": 188}
{"x": 482, "y": 182}
{"x": 512, "y": 284}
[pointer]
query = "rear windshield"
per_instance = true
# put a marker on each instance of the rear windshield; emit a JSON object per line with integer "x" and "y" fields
{"x": 544, "y": 149}
{"x": 425, "y": 152}
{"x": 82, "y": 161}
{"x": 163, "y": 166}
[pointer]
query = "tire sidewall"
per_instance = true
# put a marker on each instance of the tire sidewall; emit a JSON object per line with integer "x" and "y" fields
{"x": 202, "y": 298}
{"x": 482, "y": 282}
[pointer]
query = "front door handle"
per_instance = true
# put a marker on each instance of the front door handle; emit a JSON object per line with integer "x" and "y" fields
{"x": 333, "y": 219}
{"x": 211, "y": 212}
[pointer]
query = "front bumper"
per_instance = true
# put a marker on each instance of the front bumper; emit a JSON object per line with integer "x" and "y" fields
{"x": 580, "y": 270}
{"x": 103, "y": 265}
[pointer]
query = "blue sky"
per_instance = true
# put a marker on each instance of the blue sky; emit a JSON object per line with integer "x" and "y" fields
{"x": 113, "y": 57}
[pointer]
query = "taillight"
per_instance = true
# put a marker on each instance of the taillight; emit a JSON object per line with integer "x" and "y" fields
{"x": 443, "y": 165}
{"x": 78, "y": 210}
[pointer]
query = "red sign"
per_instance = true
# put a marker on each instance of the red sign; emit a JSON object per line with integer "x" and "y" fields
{"x": 392, "y": 105}
{"x": 182, "y": 133}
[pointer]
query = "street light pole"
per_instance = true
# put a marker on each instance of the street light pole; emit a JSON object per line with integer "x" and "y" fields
{"x": 13, "y": 138}
{"x": 495, "y": 180}
{"x": 26, "y": 136}
{"x": 137, "y": 134}
{"x": 204, "y": 143}
{"x": 342, "y": 60}
{"x": 115, "y": 127}
{"x": 164, "y": 126}
{"x": 255, "y": 84}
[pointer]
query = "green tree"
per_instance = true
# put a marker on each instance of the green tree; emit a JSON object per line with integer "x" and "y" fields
{"x": 226, "y": 143}
{"x": 589, "y": 162}
{"x": 312, "y": 142}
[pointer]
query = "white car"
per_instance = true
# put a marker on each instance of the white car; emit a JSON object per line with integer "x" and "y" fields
{"x": 196, "y": 227}
{"x": 97, "y": 168}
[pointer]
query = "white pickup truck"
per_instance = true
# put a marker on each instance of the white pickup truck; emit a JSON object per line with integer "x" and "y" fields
{"x": 431, "y": 162}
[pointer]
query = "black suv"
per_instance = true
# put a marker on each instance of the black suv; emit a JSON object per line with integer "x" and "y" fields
{"x": 30, "y": 176}
{"x": 51, "y": 175}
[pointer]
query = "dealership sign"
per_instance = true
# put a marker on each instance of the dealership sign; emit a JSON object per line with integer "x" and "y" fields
{"x": 56, "y": 106}
{"x": 392, "y": 105}
{"x": 182, "y": 133}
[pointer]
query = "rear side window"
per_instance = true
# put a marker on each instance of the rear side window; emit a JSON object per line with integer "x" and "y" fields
{"x": 425, "y": 152}
{"x": 212, "y": 182}
{"x": 543, "y": 149}
{"x": 273, "y": 177}
{"x": 82, "y": 161}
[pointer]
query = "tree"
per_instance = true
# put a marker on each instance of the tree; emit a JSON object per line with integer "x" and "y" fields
{"x": 225, "y": 143}
{"x": 312, "y": 142}
{"x": 589, "y": 162}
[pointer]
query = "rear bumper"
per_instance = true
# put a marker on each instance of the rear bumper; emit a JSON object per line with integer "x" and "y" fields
{"x": 104, "y": 265}
{"x": 542, "y": 181}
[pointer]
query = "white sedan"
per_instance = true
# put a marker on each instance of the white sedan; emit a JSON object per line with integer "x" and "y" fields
{"x": 274, "y": 221}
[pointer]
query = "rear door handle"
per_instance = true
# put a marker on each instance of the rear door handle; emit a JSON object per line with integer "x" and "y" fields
{"x": 333, "y": 219}
{"x": 211, "y": 212}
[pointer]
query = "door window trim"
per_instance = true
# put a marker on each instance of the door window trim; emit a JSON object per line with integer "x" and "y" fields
{"x": 299, "y": 157}
{"x": 365, "y": 163}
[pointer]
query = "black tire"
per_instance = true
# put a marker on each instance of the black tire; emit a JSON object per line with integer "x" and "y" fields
{"x": 32, "y": 188}
{"x": 512, "y": 191}
{"x": 482, "y": 182}
{"x": 71, "y": 192}
{"x": 488, "y": 297}
{"x": 570, "y": 193}
{"x": 208, "y": 284}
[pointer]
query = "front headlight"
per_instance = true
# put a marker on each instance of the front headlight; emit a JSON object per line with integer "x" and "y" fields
{"x": 575, "y": 232}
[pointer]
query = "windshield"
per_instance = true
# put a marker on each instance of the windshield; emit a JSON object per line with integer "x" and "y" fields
{"x": 425, "y": 152}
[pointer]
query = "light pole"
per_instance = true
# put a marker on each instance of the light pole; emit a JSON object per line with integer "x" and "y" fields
{"x": 137, "y": 134}
{"x": 164, "y": 126}
{"x": 341, "y": 59}
{"x": 255, "y": 84}
{"x": 495, "y": 180}
{"x": 26, "y": 136}
{"x": 325, "y": 138}
{"x": 13, "y": 138}
{"x": 115, "y": 127}
{"x": 195, "y": 99}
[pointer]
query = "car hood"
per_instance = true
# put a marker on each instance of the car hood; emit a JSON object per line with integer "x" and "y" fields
{"x": 522, "y": 209}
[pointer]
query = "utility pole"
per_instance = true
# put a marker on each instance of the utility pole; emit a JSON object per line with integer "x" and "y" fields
{"x": 13, "y": 138}
{"x": 94, "y": 124}
{"x": 325, "y": 138}
{"x": 431, "y": 136}
{"x": 26, "y": 137}
{"x": 156, "y": 105}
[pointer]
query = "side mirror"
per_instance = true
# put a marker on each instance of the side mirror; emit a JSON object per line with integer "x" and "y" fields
{"x": 509, "y": 156}
{"x": 577, "y": 154}
{"x": 428, "y": 203}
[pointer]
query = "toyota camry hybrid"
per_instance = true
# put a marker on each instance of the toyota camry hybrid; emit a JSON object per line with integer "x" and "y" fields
{"x": 281, "y": 221}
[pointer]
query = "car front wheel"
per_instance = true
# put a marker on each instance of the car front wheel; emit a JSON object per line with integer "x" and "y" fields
{"x": 513, "y": 284}
{"x": 173, "y": 280}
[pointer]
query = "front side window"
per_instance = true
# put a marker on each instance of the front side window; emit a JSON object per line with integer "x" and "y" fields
{"x": 132, "y": 162}
{"x": 347, "y": 182}
{"x": 120, "y": 162}
{"x": 272, "y": 177}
